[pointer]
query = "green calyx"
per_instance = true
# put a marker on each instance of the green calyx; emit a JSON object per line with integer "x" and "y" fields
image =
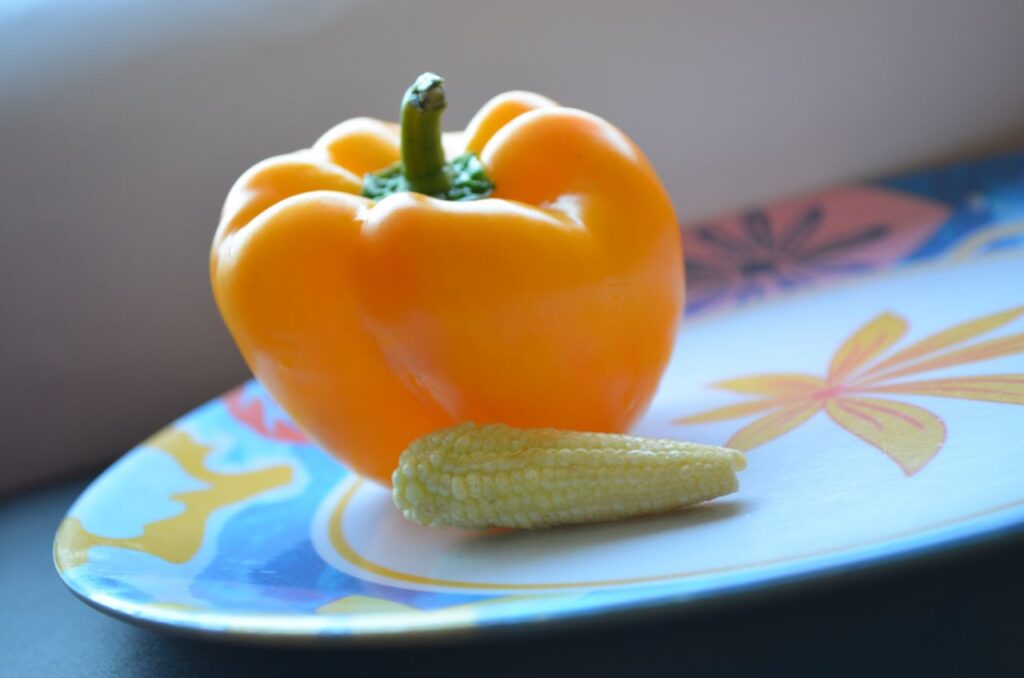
{"x": 467, "y": 177}
{"x": 424, "y": 168}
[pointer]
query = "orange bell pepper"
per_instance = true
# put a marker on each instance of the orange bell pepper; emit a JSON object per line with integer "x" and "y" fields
{"x": 536, "y": 280}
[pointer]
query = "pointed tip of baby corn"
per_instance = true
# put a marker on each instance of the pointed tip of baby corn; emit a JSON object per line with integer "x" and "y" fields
{"x": 493, "y": 475}
{"x": 737, "y": 459}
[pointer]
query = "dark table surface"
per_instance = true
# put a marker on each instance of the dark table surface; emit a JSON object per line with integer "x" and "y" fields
{"x": 958, "y": 614}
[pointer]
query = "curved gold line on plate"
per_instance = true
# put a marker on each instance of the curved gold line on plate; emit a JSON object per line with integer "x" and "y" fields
{"x": 970, "y": 247}
{"x": 347, "y": 552}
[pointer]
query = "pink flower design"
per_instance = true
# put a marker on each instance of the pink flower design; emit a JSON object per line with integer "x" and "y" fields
{"x": 761, "y": 252}
{"x": 254, "y": 409}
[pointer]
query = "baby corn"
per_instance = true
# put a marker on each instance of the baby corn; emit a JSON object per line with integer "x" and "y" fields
{"x": 473, "y": 476}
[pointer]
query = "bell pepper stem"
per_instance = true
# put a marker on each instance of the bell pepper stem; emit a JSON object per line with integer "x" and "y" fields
{"x": 423, "y": 158}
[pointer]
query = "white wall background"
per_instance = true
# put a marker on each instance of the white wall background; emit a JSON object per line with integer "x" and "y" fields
{"x": 124, "y": 122}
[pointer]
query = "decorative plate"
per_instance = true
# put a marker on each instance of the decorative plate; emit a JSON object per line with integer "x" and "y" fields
{"x": 865, "y": 345}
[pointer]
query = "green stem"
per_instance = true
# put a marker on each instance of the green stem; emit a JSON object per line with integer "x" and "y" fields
{"x": 424, "y": 168}
{"x": 423, "y": 159}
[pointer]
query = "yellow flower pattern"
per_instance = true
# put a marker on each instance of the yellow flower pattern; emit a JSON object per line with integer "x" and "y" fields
{"x": 860, "y": 371}
{"x": 177, "y": 538}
